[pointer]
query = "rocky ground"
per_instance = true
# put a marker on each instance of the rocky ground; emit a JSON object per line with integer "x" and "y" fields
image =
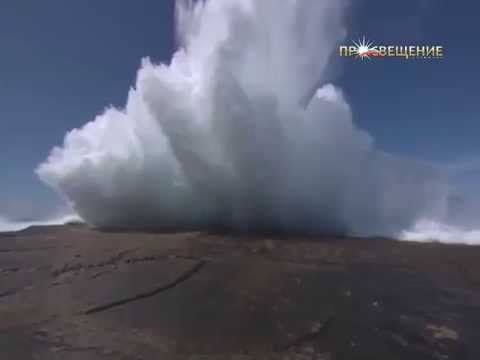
{"x": 73, "y": 293}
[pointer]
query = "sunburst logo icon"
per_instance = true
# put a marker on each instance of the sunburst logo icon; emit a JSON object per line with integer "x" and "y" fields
{"x": 365, "y": 49}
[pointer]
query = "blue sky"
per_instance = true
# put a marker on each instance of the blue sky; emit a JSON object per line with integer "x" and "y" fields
{"x": 63, "y": 62}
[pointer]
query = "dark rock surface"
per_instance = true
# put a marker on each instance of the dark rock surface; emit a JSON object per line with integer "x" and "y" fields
{"x": 73, "y": 293}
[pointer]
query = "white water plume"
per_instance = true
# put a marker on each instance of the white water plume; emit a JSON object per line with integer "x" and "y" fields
{"x": 234, "y": 133}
